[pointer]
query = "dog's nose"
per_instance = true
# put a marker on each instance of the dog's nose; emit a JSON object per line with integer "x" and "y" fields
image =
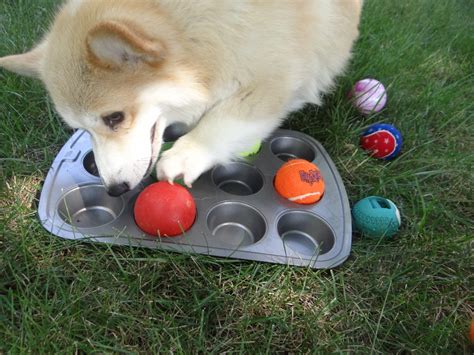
{"x": 118, "y": 189}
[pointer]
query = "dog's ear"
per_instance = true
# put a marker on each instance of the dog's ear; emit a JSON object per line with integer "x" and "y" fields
{"x": 118, "y": 45}
{"x": 28, "y": 64}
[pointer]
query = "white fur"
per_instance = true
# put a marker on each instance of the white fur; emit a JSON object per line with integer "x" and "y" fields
{"x": 73, "y": 6}
{"x": 134, "y": 148}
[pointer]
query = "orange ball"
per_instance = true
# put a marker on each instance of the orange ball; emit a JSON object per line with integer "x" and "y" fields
{"x": 300, "y": 181}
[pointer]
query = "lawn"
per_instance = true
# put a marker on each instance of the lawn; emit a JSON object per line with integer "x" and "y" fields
{"x": 412, "y": 293}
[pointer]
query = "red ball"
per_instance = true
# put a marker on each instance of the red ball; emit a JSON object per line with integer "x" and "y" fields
{"x": 163, "y": 209}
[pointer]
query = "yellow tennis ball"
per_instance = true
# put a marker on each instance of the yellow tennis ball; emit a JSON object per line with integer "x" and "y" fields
{"x": 252, "y": 151}
{"x": 300, "y": 181}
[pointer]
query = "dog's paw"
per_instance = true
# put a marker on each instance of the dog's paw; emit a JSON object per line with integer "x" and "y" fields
{"x": 186, "y": 159}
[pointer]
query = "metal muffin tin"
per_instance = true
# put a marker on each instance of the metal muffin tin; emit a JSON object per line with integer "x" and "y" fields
{"x": 239, "y": 214}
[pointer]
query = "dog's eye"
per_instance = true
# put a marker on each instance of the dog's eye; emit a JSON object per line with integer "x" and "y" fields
{"x": 113, "y": 119}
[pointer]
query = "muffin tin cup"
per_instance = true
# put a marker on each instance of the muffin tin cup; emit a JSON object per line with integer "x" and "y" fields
{"x": 89, "y": 206}
{"x": 305, "y": 233}
{"x": 238, "y": 178}
{"x": 235, "y": 225}
{"x": 239, "y": 214}
{"x": 287, "y": 148}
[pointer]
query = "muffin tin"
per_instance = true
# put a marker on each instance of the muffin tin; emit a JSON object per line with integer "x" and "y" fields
{"x": 239, "y": 214}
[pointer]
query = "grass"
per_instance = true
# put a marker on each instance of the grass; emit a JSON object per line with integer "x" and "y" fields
{"x": 410, "y": 294}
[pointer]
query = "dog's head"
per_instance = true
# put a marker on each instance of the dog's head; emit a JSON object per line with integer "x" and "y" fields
{"x": 113, "y": 69}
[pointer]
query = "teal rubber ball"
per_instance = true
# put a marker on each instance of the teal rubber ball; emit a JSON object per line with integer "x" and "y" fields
{"x": 376, "y": 217}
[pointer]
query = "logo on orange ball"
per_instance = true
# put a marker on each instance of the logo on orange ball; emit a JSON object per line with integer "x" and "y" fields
{"x": 310, "y": 177}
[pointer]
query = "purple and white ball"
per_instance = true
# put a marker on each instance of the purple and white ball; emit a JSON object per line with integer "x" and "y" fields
{"x": 368, "y": 96}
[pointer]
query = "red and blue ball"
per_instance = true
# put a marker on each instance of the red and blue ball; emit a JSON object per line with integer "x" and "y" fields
{"x": 382, "y": 141}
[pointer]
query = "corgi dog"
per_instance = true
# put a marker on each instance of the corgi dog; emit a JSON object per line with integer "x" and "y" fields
{"x": 231, "y": 70}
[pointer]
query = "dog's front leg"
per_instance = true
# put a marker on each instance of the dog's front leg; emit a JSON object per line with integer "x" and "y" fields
{"x": 231, "y": 126}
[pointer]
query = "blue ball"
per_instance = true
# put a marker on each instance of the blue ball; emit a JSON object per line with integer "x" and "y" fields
{"x": 376, "y": 217}
{"x": 382, "y": 141}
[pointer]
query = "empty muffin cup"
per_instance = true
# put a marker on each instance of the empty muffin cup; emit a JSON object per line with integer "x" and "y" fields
{"x": 305, "y": 233}
{"x": 89, "y": 164}
{"x": 234, "y": 224}
{"x": 238, "y": 178}
{"x": 89, "y": 206}
{"x": 287, "y": 148}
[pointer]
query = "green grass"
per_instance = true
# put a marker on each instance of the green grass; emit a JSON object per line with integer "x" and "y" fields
{"x": 413, "y": 293}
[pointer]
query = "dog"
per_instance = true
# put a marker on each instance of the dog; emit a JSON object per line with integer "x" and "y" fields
{"x": 231, "y": 70}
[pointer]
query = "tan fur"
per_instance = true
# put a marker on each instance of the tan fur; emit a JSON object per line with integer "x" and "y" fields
{"x": 232, "y": 69}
